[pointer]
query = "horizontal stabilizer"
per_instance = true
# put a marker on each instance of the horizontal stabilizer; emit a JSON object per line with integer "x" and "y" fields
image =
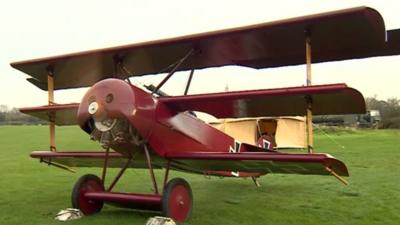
{"x": 64, "y": 114}
{"x": 337, "y": 35}
{"x": 326, "y": 100}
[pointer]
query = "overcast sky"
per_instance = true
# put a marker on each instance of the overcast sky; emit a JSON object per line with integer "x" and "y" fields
{"x": 32, "y": 29}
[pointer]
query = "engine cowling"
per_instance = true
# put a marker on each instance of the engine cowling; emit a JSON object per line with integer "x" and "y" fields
{"x": 108, "y": 112}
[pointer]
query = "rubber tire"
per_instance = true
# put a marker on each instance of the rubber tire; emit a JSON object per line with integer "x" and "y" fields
{"x": 85, "y": 183}
{"x": 166, "y": 198}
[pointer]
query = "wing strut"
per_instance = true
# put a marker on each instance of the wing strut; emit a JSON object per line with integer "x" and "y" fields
{"x": 189, "y": 81}
{"x": 337, "y": 176}
{"x": 149, "y": 164}
{"x": 176, "y": 67}
{"x": 310, "y": 142}
{"x": 52, "y": 115}
{"x": 103, "y": 174}
{"x": 58, "y": 165}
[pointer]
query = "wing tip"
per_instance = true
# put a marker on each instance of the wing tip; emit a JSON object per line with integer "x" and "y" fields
{"x": 336, "y": 165}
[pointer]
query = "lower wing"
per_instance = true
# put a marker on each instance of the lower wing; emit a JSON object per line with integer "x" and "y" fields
{"x": 260, "y": 162}
{"x": 201, "y": 162}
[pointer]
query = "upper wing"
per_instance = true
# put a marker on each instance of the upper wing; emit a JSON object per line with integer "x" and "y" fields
{"x": 392, "y": 46}
{"x": 64, "y": 114}
{"x": 338, "y": 35}
{"x": 326, "y": 99}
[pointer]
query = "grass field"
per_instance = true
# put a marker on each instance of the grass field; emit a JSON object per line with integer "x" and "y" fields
{"x": 32, "y": 193}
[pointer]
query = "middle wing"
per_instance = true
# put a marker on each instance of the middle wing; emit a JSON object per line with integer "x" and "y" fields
{"x": 63, "y": 114}
{"x": 326, "y": 100}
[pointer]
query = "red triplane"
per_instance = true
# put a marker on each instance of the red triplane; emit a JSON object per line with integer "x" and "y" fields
{"x": 141, "y": 127}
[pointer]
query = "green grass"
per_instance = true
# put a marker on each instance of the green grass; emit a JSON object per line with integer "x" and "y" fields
{"x": 32, "y": 193}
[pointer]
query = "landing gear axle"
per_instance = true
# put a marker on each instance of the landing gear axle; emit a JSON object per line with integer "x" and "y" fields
{"x": 176, "y": 201}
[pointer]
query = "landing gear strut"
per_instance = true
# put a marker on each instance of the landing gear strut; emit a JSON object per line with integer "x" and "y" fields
{"x": 176, "y": 200}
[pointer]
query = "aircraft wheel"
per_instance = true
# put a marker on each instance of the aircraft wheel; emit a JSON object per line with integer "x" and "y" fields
{"x": 86, "y": 183}
{"x": 177, "y": 200}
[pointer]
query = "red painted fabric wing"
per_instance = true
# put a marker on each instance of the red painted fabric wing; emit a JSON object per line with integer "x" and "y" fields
{"x": 87, "y": 159}
{"x": 64, "y": 114}
{"x": 259, "y": 162}
{"x": 338, "y": 35}
{"x": 326, "y": 100}
{"x": 201, "y": 162}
